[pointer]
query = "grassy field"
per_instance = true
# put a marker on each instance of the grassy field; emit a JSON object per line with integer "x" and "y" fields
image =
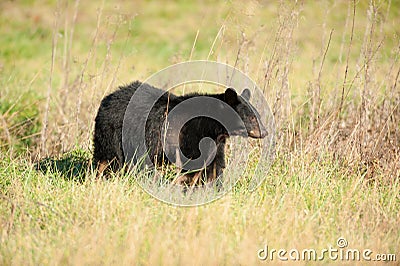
{"x": 328, "y": 69}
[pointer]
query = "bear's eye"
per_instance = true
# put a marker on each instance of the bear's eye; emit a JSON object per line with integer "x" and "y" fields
{"x": 253, "y": 119}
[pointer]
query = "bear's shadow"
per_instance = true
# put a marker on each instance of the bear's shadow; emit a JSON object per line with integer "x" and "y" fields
{"x": 70, "y": 166}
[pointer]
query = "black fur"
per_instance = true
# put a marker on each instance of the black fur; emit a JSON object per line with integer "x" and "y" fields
{"x": 109, "y": 120}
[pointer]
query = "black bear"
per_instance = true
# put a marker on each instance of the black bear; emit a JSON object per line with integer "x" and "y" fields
{"x": 108, "y": 146}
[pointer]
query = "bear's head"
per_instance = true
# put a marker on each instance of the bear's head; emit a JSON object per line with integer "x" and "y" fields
{"x": 248, "y": 114}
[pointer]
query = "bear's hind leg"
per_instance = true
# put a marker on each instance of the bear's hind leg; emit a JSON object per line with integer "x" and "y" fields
{"x": 101, "y": 167}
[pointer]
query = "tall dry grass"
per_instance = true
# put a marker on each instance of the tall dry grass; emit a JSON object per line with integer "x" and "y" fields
{"x": 350, "y": 111}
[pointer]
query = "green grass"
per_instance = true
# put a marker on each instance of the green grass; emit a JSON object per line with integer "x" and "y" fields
{"x": 116, "y": 222}
{"x": 335, "y": 174}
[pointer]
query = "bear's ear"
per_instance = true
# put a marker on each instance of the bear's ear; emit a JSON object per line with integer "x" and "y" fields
{"x": 246, "y": 94}
{"x": 230, "y": 96}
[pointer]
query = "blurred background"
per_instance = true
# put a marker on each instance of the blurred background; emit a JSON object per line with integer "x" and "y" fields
{"x": 328, "y": 68}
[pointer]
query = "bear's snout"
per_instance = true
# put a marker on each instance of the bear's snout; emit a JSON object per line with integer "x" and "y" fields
{"x": 258, "y": 133}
